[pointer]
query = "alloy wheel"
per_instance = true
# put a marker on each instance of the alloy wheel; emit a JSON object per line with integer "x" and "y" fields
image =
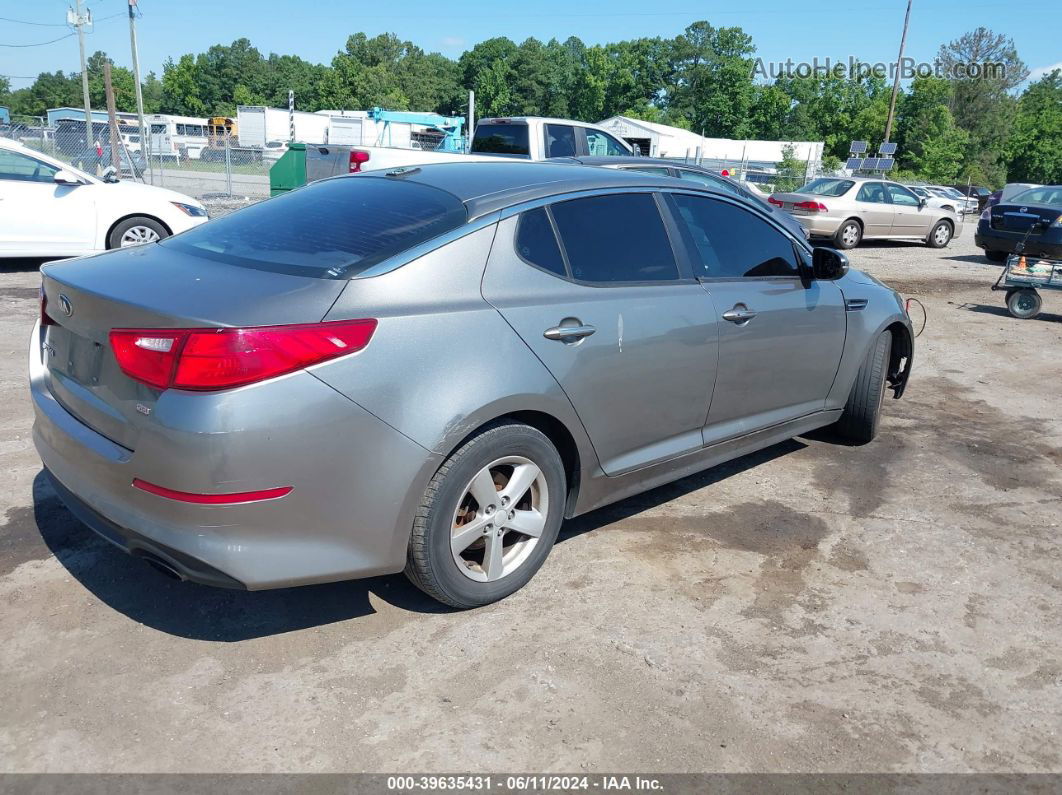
{"x": 138, "y": 236}
{"x": 499, "y": 519}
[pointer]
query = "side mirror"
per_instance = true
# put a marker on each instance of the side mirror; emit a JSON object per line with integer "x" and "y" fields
{"x": 922, "y": 202}
{"x": 110, "y": 174}
{"x": 828, "y": 264}
{"x": 64, "y": 177}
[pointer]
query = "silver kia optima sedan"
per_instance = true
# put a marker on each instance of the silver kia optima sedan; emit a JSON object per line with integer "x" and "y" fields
{"x": 431, "y": 369}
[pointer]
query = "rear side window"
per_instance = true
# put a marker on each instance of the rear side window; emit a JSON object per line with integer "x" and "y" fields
{"x": 501, "y": 139}
{"x": 731, "y": 242}
{"x": 617, "y": 238}
{"x": 331, "y": 229}
{"x": 560, "y": 140}
{"x": 537, "y": 244}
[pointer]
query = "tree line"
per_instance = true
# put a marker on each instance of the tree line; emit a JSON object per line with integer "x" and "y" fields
{"x": 947, "y": 129}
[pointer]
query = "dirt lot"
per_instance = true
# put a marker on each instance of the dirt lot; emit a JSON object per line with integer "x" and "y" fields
{"x": 812, "y": 607}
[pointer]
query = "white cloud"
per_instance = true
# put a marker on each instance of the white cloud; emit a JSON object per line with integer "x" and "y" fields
{"x": 1040, "y": 71}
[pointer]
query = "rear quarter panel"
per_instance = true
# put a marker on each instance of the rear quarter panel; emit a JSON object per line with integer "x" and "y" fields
{"x": 443, "y": 362}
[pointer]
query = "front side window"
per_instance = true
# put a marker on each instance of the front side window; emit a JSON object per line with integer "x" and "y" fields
{"x": 615, "y": 238}
{"x": 828, "y": 187}
{"x": 601, "y": 143}
{"x": 560, "y": 140}
{"x": 900, "y": 195}
{"x": 732, "y": 243}
{"x": 536, "y": 242}
{"x": 20, "y": 168}
{"x": 871, "y": 192}
{"x": 345, "y": 225}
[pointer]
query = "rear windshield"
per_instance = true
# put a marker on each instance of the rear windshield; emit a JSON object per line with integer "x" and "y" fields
{"x": 828, "y": 187}
{"x": 331, "y": 229}
{"x": 1050, "y": 195}
{"x": 501, "y": 139}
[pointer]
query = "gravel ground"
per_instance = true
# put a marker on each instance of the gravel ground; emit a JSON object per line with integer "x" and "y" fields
{"x": 812, "y": 607}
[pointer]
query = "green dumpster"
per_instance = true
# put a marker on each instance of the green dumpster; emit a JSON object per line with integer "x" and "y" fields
{"x": 289, "y": 172}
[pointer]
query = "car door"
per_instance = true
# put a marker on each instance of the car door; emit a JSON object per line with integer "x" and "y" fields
{"x": 630, "y": 338}
{"x": 780, "y": 339}
{"x": 874, "y": 209}
{"x": 39, "y": 216}
{"x": 909, "y": 217}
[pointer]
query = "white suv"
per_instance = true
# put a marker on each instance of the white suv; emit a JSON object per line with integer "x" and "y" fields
{"x": 48, "y": 208}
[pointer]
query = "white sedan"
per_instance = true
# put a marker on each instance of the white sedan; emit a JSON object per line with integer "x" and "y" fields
{"x": 51, "y": 209}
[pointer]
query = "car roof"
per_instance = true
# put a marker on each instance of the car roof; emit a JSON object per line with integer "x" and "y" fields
{"x": 635, "y": 160}
{"x": 544, "y": 119}
{"x": 486, "y": 187}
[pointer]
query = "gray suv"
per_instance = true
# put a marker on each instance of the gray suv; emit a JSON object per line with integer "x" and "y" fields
{"x": 431, "y": 369}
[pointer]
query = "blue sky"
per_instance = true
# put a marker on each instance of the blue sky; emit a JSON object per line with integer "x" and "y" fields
{"x": 315, "y": 30}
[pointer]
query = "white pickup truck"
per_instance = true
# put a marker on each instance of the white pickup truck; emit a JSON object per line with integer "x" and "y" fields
{"x": 519, "y": 137}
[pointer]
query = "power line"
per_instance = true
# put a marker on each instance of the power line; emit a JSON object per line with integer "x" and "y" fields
{"x": 40, "y": 43}
{"x": 36, "y": 24}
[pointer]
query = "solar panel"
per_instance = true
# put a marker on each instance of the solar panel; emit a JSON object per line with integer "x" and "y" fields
{"x": 858, "y": 147}
{"x": 870, "y": 164}
{"x": 886, "y": 163}
{"x": 854, "y": 163}
{"x": 887, "y": 149}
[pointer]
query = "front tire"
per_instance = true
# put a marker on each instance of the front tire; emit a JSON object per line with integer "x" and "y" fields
{"x": 859, "y": 422}
{"x": 136, "y": 231}
{"x": 939, "y": 235}
{"x": 489, "y": 517}
{"x": 848, "y": 234}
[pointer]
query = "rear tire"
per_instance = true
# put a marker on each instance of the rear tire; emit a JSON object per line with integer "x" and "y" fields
{"x": 136, "y": 231}
{"x": 464, "y": 575}
{"x": 939, "y": 235}
{"x": 995, "y": 256}
{"x": 859, "y": 422}
{"x": 1024, "y": 304}
{"x": 848, "y": 234}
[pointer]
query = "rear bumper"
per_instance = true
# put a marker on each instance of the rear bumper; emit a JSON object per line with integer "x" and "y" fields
{"x": 819, "y": 225}
{"x": 356, "y": 482}
{"x": 999, "y": 240}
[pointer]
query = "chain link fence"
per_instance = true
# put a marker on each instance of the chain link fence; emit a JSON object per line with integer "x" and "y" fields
{"x": 214, "y": 170}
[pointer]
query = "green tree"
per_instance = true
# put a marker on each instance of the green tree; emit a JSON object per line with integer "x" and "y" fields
{"x": 121, "y": 81}
{"x": 713, "y": 79}
{"x": 1035, "y": 148}
{"x": 791, "y": 170}
{"x": 181, "y": 86}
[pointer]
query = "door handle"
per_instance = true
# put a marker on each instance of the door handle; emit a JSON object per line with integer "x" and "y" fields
{"x": 568, "y": 333}
{"x": 740, "y": 314}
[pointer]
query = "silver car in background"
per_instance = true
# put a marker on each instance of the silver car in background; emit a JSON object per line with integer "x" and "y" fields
{"x": 430, "y": 369}
{"x": 851, "y": 209}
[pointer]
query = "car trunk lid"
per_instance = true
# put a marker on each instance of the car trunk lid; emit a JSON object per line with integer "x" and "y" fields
{"x": 1030, "y": 219}
{"x": 152, "y": 287}
{"x": 791, "y": 201}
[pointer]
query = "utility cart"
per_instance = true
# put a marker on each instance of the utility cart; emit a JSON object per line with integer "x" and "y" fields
{"x": 1022, "y": 277}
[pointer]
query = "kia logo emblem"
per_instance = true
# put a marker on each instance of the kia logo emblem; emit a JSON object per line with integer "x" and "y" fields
{"x": 65, "y": 305}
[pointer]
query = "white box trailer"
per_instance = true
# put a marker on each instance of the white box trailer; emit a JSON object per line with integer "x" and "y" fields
{"x": 258, "y": 125}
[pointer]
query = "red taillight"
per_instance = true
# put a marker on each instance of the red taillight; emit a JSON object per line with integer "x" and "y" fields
{"x": 211, "y": 499}
{"x": 46, "y": 319}
{"x": 357, "y": 157}
{"x": 211, "y": 359}
{"x": 774, "y": 201}
{"x": 813, "y": 207}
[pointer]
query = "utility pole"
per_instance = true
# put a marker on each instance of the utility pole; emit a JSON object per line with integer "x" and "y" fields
{"x": 79, "y": 21}
{"x": 112, "y": 118}
{"x": 896, "y": 78}
{"x": 145, "y": 142}
{"x": 470, "y": 130}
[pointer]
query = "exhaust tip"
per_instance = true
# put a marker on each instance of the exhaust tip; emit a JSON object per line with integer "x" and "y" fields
{"x": 162, "y": 566}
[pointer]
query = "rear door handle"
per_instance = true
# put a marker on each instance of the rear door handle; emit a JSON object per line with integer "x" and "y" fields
{"x": 568, "y": 333}
{"x": 740, "y": 314}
